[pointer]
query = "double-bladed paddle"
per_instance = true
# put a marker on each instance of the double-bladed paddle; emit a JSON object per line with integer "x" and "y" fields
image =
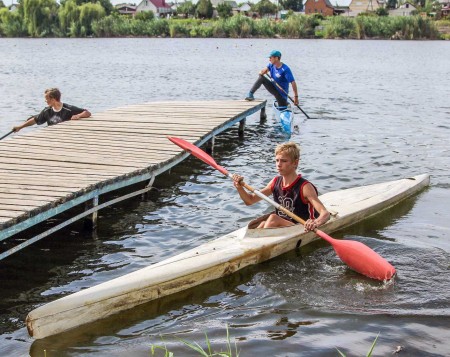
{"x": 282, "y": 90}
{"x": 356, "y": 255}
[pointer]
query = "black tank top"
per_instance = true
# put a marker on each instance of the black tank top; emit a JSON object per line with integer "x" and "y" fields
{"x": 291, "y": 197}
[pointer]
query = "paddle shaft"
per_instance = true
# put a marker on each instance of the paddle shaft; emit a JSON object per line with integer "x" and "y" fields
{"x": 4, "y": 136}
{"x": 280, "y": 88}
{"x": 272, "y": 202}
{"x": 12, "y": 131}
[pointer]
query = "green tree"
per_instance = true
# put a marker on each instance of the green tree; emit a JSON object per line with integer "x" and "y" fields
{"x": 2, "y": 4}
{"x": 431, "y": 6}
{"x": 381, "y": 11}
{"x": 204, "y": 9}
{"x": 40, "y": 16}
{"x": 89, "y": 13}
{"x": 187, "y": 8}
{"x": 144, "y": 16}
{"x": 11, "y": 23}
{"x": 224, "y": 10}
{"x": 69, "y": 16}
{"x": 264, "y": 7}
{"x": 294, "y": 5}
{"x": 391, "y": 4}
{"x": 106, "y": 4}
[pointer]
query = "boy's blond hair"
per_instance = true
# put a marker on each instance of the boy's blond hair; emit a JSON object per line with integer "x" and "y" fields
{"x": 290, "y": 148}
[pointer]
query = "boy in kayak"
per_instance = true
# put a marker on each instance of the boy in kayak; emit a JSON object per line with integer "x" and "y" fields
{"x": 290, "y": 190}
{"x": 56, "y": 112}
{"x": 281, "y": 74}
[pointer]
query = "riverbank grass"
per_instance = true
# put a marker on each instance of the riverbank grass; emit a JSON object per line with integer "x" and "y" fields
{"x": 369, "y": 354}
{"x": 208, "y": 352}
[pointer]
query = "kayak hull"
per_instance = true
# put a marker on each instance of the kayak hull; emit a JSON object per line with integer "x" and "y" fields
{"x": 212, "y": 260}
{"x": 285, "y": 117}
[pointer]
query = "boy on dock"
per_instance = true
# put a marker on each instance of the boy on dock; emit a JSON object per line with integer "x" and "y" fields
{"x": 281, "y": 74}
{"x": 56, "y": 112}
{"x": 290, "y": 190}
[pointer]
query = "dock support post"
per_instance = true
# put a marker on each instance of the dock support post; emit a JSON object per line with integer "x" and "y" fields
{"x": 210, "y": 145}
{"x": 95, "y": 213}
{"x": 242, "y": 127}
{"x": 90, "y": 223}
{"x": 263, "y": 115}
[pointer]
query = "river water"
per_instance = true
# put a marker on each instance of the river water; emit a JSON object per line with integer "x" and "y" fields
{"x": 381, "y": 112}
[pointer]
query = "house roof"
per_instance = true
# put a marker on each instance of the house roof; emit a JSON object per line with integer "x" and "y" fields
{"x": 157, "y": 3}
{"x": 340, "y": 3}
{"x": 407, "y": 5}
{"x": 245, "y": 7}
{"x": 336, "y": 3}
{"x": 129, "y": 6}
{"x": 232, "y": 3}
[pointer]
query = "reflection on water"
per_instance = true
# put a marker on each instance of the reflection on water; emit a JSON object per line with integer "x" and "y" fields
{"x": 376, "y": 119}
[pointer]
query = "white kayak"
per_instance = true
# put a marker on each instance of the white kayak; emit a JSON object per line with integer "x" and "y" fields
{"x": 212, "y": 260}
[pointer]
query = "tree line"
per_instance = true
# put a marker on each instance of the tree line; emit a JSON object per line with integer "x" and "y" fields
{"x": 83, "y": 18}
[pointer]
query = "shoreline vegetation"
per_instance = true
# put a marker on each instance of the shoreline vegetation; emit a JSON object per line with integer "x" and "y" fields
{"x": 94, "y": 22}
{"x": 295, "y": 27}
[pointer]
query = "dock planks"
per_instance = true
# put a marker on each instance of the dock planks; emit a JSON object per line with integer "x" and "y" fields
{"x": 52, "y": 169}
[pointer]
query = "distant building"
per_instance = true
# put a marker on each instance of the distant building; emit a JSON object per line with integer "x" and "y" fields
{"x": 445, "y": 7}
{"x": 245, "y": 8}
{"x": 13, "y": 7}
{"x": 323, "y": 7}
{"x": 158, "y": 7}
{"x": 406, "y": 9}
{"x": 359, "y": 6}
{"x": 233, "y": 4}
{"x": 327, "y": 7}
{"x": 126, "y": 9}
{"x": 445, "y": 11}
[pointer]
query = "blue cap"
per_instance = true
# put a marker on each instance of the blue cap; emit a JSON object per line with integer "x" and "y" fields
{"x": 275, "y": 53}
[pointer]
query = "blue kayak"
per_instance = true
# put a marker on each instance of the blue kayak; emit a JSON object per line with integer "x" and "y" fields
{"x": 285, "y": 116}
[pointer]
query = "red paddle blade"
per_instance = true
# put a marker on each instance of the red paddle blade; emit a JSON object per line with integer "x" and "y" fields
{"x": 361, "y": 258}
{"x": 198, "y": 153}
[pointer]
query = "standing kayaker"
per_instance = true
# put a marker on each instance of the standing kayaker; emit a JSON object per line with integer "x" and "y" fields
{"x": 290, "y": 190}
{"x": 56, "y": 112}
{"x": 281, "y": 74}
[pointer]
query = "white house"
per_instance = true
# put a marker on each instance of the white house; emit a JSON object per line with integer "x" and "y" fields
{"x": 405, "y": 9}
{"x": 158, "y": 7}
{"x": 126, "y": 9}
{"x": 13, "y": 7}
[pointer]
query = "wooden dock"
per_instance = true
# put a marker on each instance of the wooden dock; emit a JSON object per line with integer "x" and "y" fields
{"x": 51, "y": 170}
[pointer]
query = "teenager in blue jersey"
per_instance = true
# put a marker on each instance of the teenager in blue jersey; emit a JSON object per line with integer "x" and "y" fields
{"x": 281, "y": 74}
{"x": 56, "y": 112}
{"x": 290, "y": 190}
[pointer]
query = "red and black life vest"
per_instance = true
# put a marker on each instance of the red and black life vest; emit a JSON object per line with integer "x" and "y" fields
{"x": 291, "y": 197}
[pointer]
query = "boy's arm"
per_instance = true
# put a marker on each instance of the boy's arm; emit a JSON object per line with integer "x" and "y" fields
{"x": 310, "y": 194}
{"x": 248, "y": 197}
{"x": 264, "y": 71}
{"x": 84, "y": 114}
{"x": 294, "y": 88}
{"x": 29, "y": 122}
